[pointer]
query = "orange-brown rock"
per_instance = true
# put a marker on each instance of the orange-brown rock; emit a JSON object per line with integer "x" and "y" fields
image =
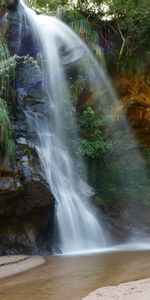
{"x": 134, "y": 94}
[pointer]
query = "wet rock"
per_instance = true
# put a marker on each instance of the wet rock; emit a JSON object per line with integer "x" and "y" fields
{"x": 18, "y": 34}
{"x": 26, "y": 203}
{"x": 22, "y": 141}
{"x": 13, "y": 32}
{"x": 29, "y": 80}
{"x": 8, "y": 184}
{"x": 10, "y": 191}
{"x": 26, "y": 213}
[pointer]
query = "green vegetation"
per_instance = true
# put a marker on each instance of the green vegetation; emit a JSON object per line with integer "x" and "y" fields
{"x": 93, "y": 142}
{"x": 7, "y": 98}
{"x": 7, "y": 147}
{"x": 117, "y": 180}
{"x": 121, "y": 27}
{"x": 7, "y": 70}
{"x": 7, "y": 75}
{"x": 130, "y": 27}
{"x": 47, "y": 6}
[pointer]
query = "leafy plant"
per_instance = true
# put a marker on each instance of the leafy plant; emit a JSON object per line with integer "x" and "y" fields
{"x": 93, "y": 142}
{"x": 7, "y": 69}
{"x": 7, "y": 147}
{"x": 7, "y": 76}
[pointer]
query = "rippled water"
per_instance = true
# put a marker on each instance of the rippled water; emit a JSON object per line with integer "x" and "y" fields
{"x": 71, "y": 278}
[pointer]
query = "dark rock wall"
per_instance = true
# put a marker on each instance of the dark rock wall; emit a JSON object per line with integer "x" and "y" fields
{"x": 26, "y": 204}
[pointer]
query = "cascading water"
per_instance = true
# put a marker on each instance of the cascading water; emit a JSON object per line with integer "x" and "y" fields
{"x": 78, "y": 227}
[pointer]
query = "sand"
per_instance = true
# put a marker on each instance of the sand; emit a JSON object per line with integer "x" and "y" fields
{"x": 11, "y": 265}
{"x": 136, "y": 290}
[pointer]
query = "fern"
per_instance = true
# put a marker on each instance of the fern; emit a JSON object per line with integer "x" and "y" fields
{"x": 7, "y": 147}
{"x": 7, "y": 74}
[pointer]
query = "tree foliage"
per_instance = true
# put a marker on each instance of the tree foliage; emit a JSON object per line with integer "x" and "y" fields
{"x": 122, "y": 27}
{"x": 48, "y": 6}
{"x": 131, "y": 23}
{"x": 93, "y": 142}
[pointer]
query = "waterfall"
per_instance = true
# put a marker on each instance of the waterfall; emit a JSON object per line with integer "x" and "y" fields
{"x": 78, "y": 227}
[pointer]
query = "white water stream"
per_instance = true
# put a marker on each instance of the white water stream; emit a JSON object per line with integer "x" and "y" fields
{"x": 78, "y": 227}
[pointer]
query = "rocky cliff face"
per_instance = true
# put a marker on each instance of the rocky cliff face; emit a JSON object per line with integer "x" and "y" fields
{"x": 26, "y": 203}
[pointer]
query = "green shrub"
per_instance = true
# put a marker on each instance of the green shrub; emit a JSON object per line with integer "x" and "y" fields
{"x": 7, "y": 70}
{"x": 93, "y": 142}
{"x": 7, "y": 147}
{"x": 7, "y": 75}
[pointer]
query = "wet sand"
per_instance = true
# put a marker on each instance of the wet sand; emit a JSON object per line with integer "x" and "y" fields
{"x": 11, "y": 265}
{"x": 72, "y": 278}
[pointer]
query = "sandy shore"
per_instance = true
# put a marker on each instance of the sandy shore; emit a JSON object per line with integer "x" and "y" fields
{"x": 11, "y": 265}
{"x": 136, "y": 290}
